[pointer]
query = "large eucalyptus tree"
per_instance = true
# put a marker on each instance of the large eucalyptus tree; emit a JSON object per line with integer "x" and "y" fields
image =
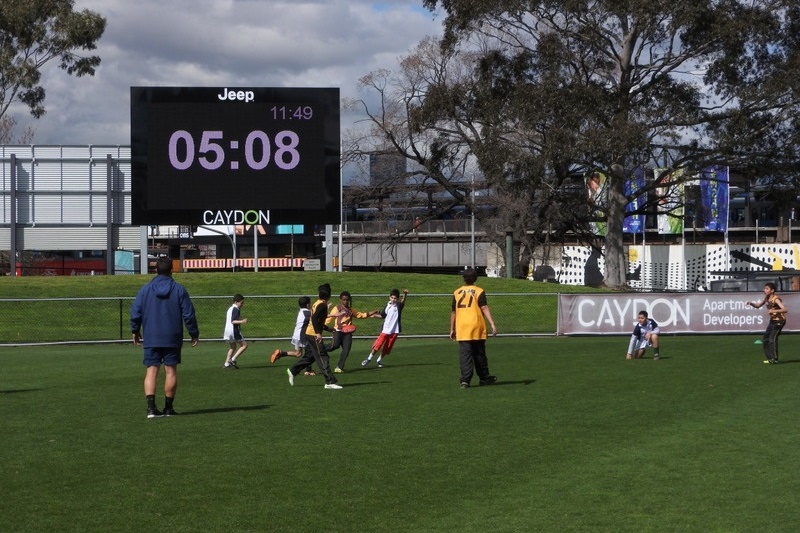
{"x": 536, "y": 93}
{"x": 36, "y": 32}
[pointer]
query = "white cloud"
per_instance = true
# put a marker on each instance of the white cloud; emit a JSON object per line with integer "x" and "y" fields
{"x": 222, "y": 43}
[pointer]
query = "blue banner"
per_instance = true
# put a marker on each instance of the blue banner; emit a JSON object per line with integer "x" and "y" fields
{"x": 634, "y": 223}
{"x": 714, "y": 189}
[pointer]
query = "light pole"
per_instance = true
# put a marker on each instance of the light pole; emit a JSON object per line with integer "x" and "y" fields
{"x": 472, "y": 220}
{"x": 231, "y": 239}
{"x": 341, "y": 222}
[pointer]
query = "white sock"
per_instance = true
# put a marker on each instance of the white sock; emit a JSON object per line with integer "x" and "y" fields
{"x": 379, "y": 358}
{"x": 369, "y": 357}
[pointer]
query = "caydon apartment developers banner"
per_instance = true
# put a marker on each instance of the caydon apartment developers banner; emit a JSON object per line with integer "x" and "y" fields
{"x": 701, "y": 312}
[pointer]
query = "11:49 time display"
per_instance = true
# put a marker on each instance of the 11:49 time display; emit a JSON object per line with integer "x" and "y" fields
{"x": 259, "y": 150}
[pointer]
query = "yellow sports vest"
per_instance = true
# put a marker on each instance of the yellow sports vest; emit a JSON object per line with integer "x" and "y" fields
{"x": 470, "y": 324}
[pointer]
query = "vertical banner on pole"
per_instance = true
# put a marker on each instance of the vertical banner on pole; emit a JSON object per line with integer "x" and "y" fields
{"x": 597, "y": 194}
{"x": 714, "y": 191}
{"x": 670, "y": 202}
{"x": 634, "y": 222}
{"x": 684, "y": 262}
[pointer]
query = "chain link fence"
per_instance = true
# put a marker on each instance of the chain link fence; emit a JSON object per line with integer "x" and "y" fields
{"x": 83, "y": 320}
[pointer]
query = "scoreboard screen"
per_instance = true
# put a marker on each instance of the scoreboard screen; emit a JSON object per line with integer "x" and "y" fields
{"x": 235, "y": 155}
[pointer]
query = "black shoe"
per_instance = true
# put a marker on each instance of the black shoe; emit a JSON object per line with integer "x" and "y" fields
{"x": 491, "y": 380}
{"x": 154, "y": 413}
{"x": 464, "y": 385}
{"x": 169, "y": 411}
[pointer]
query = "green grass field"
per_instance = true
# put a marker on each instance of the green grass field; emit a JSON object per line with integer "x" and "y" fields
{"x": 27, "y": 320}
{"x": 573, "y": 438}
{"x": 264, "y": 283}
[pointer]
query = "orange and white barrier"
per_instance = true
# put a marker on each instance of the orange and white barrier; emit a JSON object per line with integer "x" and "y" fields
{"x": 245, "y": 262}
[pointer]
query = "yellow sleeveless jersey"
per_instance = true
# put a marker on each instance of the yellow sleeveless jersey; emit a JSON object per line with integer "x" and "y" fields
{"x": 467, "y": 303}
{"x": 772, "y": 303}
{"x": 319, "y": 313}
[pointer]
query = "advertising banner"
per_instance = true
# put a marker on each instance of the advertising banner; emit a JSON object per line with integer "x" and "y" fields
{"x": 634, "y": 223}
{"x": 701, "y": 312}
{"x": 714, "y": 198}
{"x": 670, "y": 203}
{"x": 597, "y": 195}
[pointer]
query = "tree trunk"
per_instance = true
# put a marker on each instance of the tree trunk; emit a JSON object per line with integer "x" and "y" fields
{"x": 615, "y": 268}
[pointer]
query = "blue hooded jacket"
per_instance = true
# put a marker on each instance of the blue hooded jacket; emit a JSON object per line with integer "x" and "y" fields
{"x": 160, "y": 310}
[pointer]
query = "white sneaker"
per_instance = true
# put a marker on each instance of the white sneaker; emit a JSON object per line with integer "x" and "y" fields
{"x": 291, "y": 376}
{"x": 332, "y": 386}
{"x": 365, "y": 362}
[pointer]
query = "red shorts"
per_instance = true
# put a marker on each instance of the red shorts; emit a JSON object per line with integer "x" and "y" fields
{"x": 386, "y": 340}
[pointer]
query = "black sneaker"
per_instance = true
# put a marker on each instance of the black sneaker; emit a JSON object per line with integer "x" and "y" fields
{"x": 491, "y": 380}
{"x": 464, "y": 385}
{"x": 234, "y": 365}
{"x": 154, "y": 413}
{"x": 169, "y": 411}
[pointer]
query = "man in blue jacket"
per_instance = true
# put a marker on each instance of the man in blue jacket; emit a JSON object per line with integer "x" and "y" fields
{"x": 160, "y": 310}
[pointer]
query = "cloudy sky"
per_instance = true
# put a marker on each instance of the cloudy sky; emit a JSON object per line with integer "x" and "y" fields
{"x": 223, "y": 43}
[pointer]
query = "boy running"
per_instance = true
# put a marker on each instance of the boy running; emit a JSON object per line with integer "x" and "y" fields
{"x": 299, "y": 340}
{"x": 316, "y": 347}
{"x": 391, "y": 327}
{"x": 233, "y": 332}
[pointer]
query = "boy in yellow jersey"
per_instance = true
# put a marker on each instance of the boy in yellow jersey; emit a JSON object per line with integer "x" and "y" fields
{"x": 470, "y": 311}
{"x": 344, "y": 328}
{"x": 777, "y": 319}
{"x": 316, "y": 347}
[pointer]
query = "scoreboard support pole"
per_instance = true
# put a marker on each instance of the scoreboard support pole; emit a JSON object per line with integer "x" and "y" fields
{"x": 143, "y": 250}
{"x": 328, "y": 247}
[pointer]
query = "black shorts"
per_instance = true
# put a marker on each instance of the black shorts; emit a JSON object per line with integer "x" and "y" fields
{"x": 162, "y": 356}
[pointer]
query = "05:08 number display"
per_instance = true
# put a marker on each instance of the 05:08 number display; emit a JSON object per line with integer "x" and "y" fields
{"x": 258, "y": 150}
